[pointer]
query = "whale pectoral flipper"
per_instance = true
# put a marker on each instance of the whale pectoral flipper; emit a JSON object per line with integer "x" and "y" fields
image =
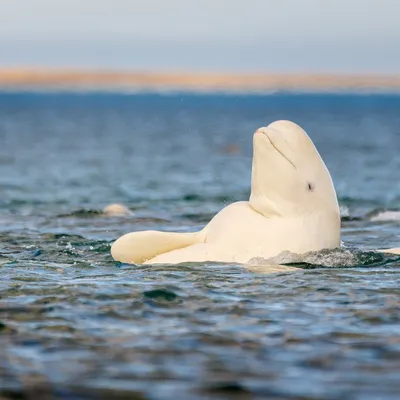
{"x": 138, "y": 247}
{"x": 198, "y": 252}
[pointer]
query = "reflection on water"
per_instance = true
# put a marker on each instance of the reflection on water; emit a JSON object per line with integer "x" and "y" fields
{"x": 75, "y": 324}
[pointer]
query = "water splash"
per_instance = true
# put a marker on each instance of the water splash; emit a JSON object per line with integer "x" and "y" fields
{"x": 331, "y": 258}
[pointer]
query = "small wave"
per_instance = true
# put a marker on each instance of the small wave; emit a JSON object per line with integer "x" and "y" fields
{"x": 383, "y": 215}
{"x": 81, "y": 213}
{"x": 91, "y": 213}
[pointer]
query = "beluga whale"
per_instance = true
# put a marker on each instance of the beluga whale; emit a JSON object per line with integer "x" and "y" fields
{"x": 292, "y": 207}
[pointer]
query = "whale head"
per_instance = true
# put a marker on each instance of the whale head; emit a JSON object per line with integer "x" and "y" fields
{"x": 289, "y": 177}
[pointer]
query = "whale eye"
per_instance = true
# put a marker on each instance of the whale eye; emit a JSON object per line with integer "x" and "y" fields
{"x": 310, "y": 187}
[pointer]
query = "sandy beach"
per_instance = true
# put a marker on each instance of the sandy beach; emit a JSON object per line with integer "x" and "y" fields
{"x": 69, "y": 79}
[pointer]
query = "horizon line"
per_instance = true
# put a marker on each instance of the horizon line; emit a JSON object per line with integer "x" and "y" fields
{"x": 139, "y": 79}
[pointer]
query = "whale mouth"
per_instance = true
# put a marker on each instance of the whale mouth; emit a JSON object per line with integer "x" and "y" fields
{"x": 276, "y": 148}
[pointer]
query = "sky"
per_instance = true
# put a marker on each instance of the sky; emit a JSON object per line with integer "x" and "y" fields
{"x": 280, "y": 36}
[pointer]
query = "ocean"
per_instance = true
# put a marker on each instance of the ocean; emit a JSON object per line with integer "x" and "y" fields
{"x": 75, "y": 324}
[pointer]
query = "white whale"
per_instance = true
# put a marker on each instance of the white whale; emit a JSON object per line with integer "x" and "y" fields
{"x": 117, "y": 210}
{"x": 292, "y": 207}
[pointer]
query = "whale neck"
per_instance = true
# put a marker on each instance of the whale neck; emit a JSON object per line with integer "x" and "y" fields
{"x": 258, "y": 199}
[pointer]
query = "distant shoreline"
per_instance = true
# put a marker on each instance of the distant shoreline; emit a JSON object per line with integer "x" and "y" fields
{"x": 85, "y": 80}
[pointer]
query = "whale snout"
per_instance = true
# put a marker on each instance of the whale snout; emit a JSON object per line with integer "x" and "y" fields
{"x": 262, "y": 130}
{"x": 276, "y": 142}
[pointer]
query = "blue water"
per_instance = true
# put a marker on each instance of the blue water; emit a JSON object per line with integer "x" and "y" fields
{"x": 75, "y": 324}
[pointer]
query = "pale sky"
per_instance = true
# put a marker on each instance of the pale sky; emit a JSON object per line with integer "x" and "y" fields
{"x": 203, "y": 35}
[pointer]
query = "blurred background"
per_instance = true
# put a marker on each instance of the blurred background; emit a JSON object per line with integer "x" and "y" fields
{"x": 214, "y": 37}
{"x": 360, "y": 36}
{"x": 153, "y": 104}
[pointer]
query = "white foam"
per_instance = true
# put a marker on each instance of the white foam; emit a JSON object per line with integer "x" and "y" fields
{"x": 344, "y": 211}
{"x": 384, "y": 216}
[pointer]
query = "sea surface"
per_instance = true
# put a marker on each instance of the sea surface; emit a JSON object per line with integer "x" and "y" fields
{"x": 74, "y": 324}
